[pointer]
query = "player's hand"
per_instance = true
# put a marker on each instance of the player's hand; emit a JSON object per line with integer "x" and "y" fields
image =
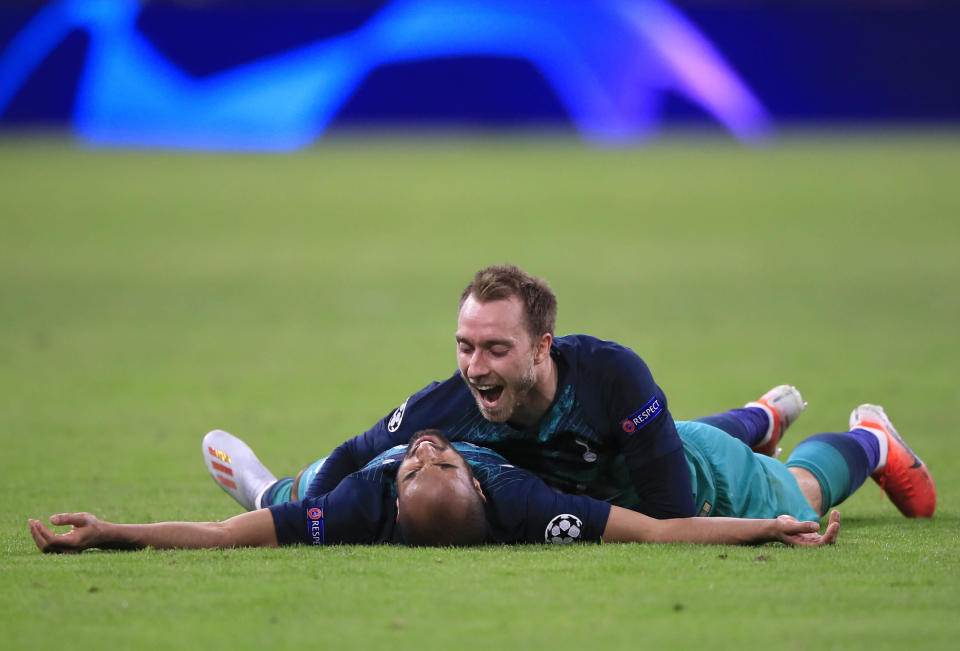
{"x": 792, "y": 532}
{"x": 85, "y": 532}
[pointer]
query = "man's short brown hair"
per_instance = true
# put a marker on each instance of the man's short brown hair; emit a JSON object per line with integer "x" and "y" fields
{"x": 502, "y": 281}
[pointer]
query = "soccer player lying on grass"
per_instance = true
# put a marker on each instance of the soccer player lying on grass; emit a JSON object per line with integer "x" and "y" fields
{"x": 429, "y": 493}
{"x": 463, "y": 494}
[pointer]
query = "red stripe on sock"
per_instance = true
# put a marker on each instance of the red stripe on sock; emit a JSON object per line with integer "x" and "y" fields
{"x": 222, "y": 468}
{"x": 227, "y": 482}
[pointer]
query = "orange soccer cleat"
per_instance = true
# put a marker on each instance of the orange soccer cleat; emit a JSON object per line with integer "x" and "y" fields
{"x": 901, "y": 474}
{"x": 783, "y": 405}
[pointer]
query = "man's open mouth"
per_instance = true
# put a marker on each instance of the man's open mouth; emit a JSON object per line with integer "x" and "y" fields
{"x": 432, "y": 440}
{"x": 489, "y": 394}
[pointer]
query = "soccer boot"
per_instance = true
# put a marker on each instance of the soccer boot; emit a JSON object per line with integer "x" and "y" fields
{"x": 783, "y": 405}
{"x": 235, "y": 468}
{"x": 900, "y": 473}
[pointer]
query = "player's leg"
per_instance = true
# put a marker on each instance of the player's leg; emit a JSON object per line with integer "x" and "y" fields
{"x": 290, "y": 489}
{"x": 810, "y": 487}
{"x": 729, "y": 479}
{"x": 762, "y": 423}
{"x": 831, "y": 467}
{"x": 299, "y": 486}
{"x": 239, "y": 472}
{"x": 236, "y": 469}
{"x": 295, "y": 485}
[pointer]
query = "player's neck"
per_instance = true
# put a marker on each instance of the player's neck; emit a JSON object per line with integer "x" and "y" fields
{"x": 540, "y": 398}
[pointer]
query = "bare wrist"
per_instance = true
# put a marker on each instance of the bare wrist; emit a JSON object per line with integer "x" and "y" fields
{"x": 772, "y": 529}
{"x": 115, "y": 536}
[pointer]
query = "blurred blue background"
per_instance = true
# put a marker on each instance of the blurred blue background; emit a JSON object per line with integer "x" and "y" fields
{"x": 278, "y": 75}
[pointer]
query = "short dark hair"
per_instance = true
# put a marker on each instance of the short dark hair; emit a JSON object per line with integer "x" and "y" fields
{"x": 502, "y": 281}
{"x": 445, "y": 523}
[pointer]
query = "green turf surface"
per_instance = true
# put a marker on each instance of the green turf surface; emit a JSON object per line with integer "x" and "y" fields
{"x": 293, "y": 300}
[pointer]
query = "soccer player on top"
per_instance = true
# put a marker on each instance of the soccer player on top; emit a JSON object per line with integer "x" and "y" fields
{"x": 586, "y": 416}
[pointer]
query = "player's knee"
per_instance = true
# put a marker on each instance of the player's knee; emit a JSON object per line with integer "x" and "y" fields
{"x": 295, "y": 489}
{"x": 810, "y": 487}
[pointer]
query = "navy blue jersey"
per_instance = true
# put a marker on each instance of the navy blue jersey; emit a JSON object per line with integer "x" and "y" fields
{"x": 362, "y": 509}
{"x": 608, "y": 433}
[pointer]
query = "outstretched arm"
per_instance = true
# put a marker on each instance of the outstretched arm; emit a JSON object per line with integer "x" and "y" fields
{"x": 628, "y": 526}
{"x": 253, "y": 529}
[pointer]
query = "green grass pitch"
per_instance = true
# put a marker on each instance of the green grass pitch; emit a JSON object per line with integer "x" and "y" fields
{"x": 146, "y": 298}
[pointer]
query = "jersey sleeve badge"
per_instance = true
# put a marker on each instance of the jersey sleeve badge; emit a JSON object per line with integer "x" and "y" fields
{"x": 563, "y": 529}
{"x": 315, "y": 526}
{"x": 397, "y": 417}
{"x": 642, "y": 416}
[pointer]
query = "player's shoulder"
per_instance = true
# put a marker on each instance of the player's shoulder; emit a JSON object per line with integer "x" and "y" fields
{"x": 453, "y": 388}
{"x": 361, "y": 510}
{"x": 582, "y": 345}
{"x": 431, "y": 406}
{"x": 522, "y": 508}
{"x": 480, "y": 458}
{"x": 593, "y": 356}
{"x": 389, "y": 457}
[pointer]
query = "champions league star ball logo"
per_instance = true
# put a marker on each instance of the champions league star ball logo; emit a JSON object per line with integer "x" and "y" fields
{"x": 397, "y": 417}
{"x": 564, "y": 528}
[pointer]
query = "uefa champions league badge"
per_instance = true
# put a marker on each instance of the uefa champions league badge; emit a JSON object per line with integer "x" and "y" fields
{"x": 642, "y": 416}
{"x": 563, "y": 529}
{"x": 315, "y": 526}
{"x": 397, "y": 417}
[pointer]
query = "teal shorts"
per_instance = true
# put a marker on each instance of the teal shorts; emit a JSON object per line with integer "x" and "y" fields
{"x": 730, "y": 480}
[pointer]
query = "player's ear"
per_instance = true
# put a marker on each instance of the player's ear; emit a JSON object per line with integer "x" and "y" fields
{"x": 398, "y": 508}
{"x": 543, "y": 348}
{"x": 476, "y": 486}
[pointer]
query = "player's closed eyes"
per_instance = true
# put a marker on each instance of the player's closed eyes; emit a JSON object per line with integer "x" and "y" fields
{"x": 442, "y": 466}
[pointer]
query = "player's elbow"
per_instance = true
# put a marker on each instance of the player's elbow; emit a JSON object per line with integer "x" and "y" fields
{"x": 624, "y": 525}
{"x": 252, "y": 529}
